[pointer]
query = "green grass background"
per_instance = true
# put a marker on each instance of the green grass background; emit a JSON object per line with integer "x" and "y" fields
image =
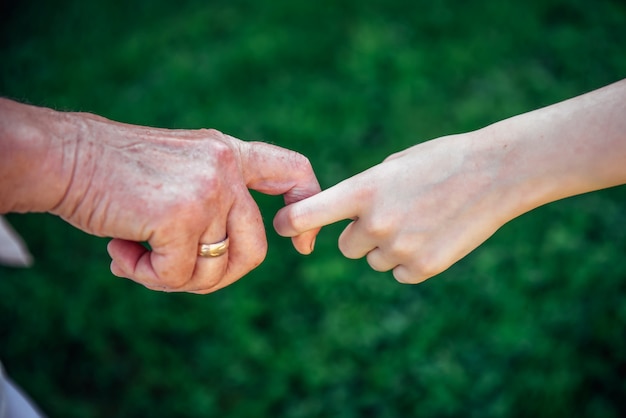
{"x": 530, "y": 324}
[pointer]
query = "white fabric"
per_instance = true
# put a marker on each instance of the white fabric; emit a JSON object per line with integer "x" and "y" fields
{"x": 3, "y": 401}
{"x": 13, "y": 251}
{"x": 13, "y": 402}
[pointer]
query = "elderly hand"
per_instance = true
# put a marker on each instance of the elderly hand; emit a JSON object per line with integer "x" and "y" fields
{"x": 172, "y": 189}
{"x": 176, "y": 189}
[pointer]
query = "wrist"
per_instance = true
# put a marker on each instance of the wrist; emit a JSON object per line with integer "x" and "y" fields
{"x": 569, "y": 148}
{"x": 532, "y": 160}
{"x": 37, "y": 157}
{"x": 518, "y": 173}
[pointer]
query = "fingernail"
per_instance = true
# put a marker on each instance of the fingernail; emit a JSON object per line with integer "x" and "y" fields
{"x": 313, "y": 244}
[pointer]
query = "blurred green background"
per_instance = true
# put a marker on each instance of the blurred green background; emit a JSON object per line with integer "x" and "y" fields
{"x": 530, "y": 324}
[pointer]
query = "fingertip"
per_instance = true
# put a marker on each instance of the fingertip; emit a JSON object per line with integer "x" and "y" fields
{"x": 281, "y": 223}
{"x": 305, "y": 242}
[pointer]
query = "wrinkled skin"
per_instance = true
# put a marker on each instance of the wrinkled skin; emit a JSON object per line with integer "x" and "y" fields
{"x": 171, "y": 189}
{"x": 175, "y": 189}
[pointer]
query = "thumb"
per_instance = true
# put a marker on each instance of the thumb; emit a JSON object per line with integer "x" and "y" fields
{"x": 274, "y": 170}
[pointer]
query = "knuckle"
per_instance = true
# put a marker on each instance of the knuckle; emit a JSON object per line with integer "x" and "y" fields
{"x": 377, "y": 227}
{"x": 302, "y": 162}
{"x": 363, "y": 192}
{"x": 216, "y": 145}
{"x": 404, "y": 252}
{"x": 212, "y": 132}
{"x": 427, "y": 266}
{"x": 223, "y": 152}
{"x": 392, "y": 157}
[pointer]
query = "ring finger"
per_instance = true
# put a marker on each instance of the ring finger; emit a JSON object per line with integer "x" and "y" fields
{"x": 247, "y": 247}
{"x": 211, "y": 258}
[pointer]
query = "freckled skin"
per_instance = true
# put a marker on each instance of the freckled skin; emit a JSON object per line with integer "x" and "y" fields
{"x": 170, "y": 188}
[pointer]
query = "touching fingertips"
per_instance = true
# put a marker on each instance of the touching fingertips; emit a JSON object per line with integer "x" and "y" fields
{"x": 289, "y": 222}
{"x": 305, "y": 242}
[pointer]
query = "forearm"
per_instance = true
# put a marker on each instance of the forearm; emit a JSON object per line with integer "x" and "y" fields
{"x": 569, "y": 148}
{"x": 37, "y": 150}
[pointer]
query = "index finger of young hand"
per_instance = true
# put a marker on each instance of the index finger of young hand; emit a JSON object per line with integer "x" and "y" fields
{"x": 327, "y": 207}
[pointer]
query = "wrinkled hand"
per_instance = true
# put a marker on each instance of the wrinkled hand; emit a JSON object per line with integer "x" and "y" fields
{"x": 175, "y": 189}
{"x": 416, "y": 213}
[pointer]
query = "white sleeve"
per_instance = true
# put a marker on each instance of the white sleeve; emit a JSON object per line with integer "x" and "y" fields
{"x": 13, "y": 251}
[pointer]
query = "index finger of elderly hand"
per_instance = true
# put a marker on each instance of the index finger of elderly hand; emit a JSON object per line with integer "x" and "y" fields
{"x": 330, "y": 206}
{"x": 274, "y": 170}
{"x": 305, "y": 242}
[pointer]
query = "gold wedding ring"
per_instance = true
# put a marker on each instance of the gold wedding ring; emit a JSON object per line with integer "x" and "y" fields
{"x": 213, "y": 250}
